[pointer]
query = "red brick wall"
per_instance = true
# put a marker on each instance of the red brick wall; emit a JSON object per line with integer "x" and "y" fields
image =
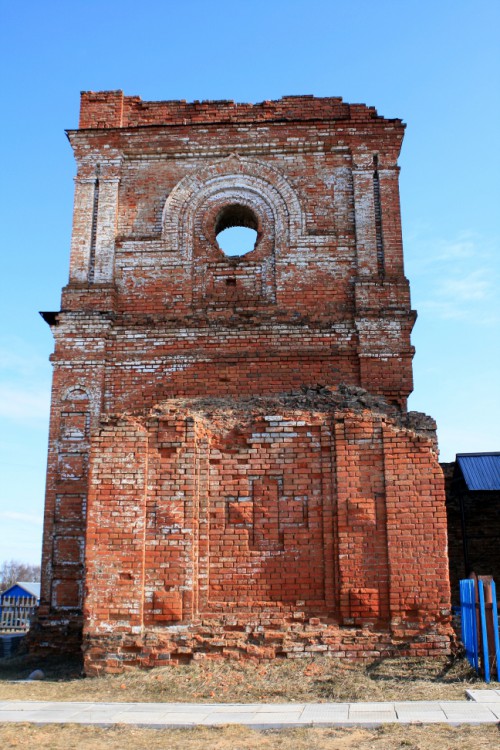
{"x": 155, "y": 311}
{"x": 205, "y": 516}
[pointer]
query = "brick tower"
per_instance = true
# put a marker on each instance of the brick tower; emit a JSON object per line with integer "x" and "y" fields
{"x": 232, "y": 468}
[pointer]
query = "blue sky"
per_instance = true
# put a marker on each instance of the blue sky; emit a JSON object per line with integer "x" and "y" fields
{"x": 434, "y": 64}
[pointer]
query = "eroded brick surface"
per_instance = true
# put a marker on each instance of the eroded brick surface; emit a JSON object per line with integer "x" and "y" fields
{"x": 232, "y": 470}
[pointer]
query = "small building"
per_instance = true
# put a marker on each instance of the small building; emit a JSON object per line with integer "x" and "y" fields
{"x": 473, "y": 510}
{"x": 18, "y": 604}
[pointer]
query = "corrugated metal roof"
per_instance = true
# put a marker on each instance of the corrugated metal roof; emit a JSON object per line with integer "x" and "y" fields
{"x": 481, "y": 471}
{"x": 32, "y": 586}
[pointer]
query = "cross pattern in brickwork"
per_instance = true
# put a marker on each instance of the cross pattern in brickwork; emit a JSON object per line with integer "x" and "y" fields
{"x": 266, "y": 512}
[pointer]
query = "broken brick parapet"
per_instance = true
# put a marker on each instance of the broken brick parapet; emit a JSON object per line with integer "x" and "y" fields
{"x": 111, "y": 109}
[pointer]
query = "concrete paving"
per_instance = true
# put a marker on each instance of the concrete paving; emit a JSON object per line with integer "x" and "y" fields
{"x": 483, "y": 707}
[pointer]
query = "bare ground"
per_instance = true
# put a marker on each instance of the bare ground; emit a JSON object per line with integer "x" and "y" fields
{"x": 389, "y": 737}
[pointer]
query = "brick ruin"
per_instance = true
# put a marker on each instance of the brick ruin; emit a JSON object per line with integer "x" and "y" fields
{"x": 232, "y": 468}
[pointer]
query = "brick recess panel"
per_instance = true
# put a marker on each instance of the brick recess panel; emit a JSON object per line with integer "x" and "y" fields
{"x": 232, "y": 470}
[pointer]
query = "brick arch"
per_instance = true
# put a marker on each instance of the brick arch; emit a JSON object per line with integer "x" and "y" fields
{"x": 75, "y": 415}
{"x": 255, "y": 184}
{"x": 76, "y": 393}
{"x": 80, "y": 397}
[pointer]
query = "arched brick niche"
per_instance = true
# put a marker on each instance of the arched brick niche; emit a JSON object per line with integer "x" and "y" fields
{"x": 232, "y": 192}
{"x": 232, "y": 180}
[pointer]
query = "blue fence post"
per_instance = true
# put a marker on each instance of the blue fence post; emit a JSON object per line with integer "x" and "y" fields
{"x": 495, "y": 627}
{"x": 484, "y": 632}
{"x": 469, "y": 622}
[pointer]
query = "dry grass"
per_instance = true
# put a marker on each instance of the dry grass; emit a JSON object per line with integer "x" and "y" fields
{"x": 389, "y": 737}
{"x": 318, "y": 680}
{"x": 281, "y": 681}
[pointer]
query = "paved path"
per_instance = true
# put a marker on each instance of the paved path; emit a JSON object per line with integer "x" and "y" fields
{"x": 483, "y": 707}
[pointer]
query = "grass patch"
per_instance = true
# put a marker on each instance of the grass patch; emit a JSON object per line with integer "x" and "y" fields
{"x": 281, "y": 681}
{"x": 389, "y": 737}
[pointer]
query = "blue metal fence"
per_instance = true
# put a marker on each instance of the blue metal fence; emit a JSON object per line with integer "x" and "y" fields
{"x": 469, "y": 621}
{"x": 479, "y": 618}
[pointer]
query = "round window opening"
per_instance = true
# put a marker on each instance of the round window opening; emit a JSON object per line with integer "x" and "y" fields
{"x": 236, "y": 230}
